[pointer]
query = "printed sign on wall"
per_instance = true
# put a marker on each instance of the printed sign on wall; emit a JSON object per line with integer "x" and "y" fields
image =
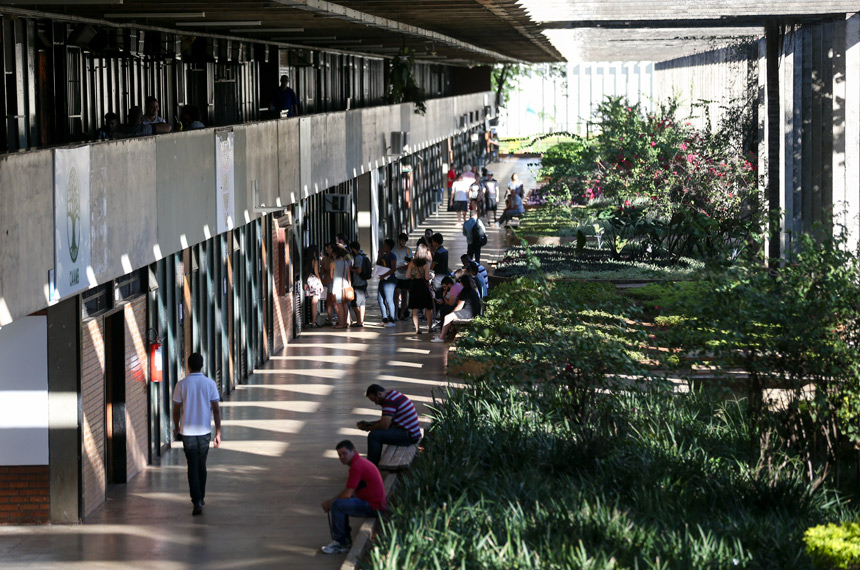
{"x": 71, "y": 220}
{"x": 224, "y": 171}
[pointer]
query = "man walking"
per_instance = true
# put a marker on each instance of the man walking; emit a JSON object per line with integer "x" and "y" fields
{"x": 474, "y": 231}
{"x": 397, "y": 426}
{"x": 193, "y": 398}
{"x": 363, "y": 496}
{"x": 285, "y": 99}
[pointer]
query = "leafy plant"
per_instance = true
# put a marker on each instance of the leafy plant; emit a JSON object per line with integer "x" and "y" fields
{"x": 402, "y": 85}
{"x": 834, "y": 546}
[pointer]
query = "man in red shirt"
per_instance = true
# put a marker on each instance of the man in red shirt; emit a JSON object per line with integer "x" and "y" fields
{"x": 363, "y": 496}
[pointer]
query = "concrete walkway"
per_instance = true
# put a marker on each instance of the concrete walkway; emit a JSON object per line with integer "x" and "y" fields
{"x": 276, "y": 463}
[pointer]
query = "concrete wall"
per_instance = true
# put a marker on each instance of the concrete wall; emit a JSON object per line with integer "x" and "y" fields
{"x": 24, "y": 392}
{"x": 806, "y": 80}
{"x": 819, "y": 128}
{"x": 707, "y": 82}
{"x": 155, "y": 196}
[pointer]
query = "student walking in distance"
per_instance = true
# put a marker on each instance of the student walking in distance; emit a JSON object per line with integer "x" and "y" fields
{"x": 363, "y": 496}
{"x": 397, "y": 426}
{"x": 193, "y": 398}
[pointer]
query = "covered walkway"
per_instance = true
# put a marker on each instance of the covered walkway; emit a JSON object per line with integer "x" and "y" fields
{"x": 276, "y": 463}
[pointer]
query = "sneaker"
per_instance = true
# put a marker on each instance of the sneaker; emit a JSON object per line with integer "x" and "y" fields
{"x": 384, "y": 320}
{"x": 437, "y": 339}
{"x": 334, "y": 547}
{"x": 390, "y": 324}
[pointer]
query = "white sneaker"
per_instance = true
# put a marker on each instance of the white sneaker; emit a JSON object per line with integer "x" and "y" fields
{"x": 390, "y": 324}
{"x": 334, "y": 547}
{"x": 437, "y": 339}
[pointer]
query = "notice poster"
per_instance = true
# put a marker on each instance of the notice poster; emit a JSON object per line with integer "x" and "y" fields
{"x": 71, "y": 220}
{"x": 224, "y": 183}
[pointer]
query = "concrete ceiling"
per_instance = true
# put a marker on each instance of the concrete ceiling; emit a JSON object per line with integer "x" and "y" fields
{"x": 462, "y": 31}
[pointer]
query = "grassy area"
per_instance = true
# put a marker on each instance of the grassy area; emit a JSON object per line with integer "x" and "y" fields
{"x": 534, "y": 145}
{"x": 558, "y": 458}
{"x": 565, "y": 262}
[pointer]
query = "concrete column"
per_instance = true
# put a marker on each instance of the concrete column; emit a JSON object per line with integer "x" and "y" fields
{"x": 64, "y": 437}
{"x": 772, "y": 130}
{"x": 806, "y": 148}
{"x": 789, "y": 131}
{"x": 837, "y": 163}
{"x": 799, "y": 134}
{"x": 851, "y": 184}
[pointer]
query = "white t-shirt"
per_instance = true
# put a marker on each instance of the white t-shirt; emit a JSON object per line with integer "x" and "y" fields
{"x": 460, "y": 189}
{"x": 196, "y": 393}
{"x": 401, "y": 255}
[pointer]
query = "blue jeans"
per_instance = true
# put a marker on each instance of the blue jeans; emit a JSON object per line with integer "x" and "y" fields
{"x": 341, "y": 510}
{"x": 391, "y": 436}
{"x": 196, "y": 449}
{"x": 385, "y": 297}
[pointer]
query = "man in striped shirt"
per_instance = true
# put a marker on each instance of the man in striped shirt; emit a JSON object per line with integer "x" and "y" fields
{"x": 397, "y": 426}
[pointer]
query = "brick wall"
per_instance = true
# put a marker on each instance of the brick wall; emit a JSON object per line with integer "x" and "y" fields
{"x": 94, "y": 469}
{"x": 25, "y": 495}
{"x": 136, "y": 375}
{"x": 93, "y": 415}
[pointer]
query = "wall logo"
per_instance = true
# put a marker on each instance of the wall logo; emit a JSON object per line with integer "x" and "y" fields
{"x": 73, "y": 214}
{"x": 71, "y": 220}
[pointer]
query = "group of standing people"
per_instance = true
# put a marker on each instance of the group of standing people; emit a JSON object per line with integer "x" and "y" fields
{"x": 339, "y": 276}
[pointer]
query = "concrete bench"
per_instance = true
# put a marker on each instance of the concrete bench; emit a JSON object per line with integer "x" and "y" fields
{"x": 513, "y": 223}
{"x": 367, "y": 530}
{"x": 397, "y": 457}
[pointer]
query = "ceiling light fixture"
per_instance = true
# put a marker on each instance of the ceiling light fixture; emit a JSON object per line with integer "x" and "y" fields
{"x": 156, "y": 15}
{"x": 215, "y": 24}
{"x": 272, "y": 30}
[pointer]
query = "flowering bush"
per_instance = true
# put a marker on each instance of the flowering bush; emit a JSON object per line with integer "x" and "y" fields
{"x": 663, "y": 185}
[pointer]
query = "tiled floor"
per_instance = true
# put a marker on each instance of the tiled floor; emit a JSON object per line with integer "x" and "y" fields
{"x": 276, "y": 463}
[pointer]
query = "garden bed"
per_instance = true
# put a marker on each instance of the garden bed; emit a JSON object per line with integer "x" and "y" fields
{"x": 566, "y": 262}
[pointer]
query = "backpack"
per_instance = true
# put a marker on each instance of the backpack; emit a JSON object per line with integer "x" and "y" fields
{"x": 480, "y": 239}
{"x": 366, "y": 269}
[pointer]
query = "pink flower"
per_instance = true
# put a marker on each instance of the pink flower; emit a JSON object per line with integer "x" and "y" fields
{"x": 653, "y": 143}
{"x": 683, "y": 146}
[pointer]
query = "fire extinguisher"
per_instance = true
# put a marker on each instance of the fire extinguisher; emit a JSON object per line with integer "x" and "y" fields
{"x": 155, "y": 360}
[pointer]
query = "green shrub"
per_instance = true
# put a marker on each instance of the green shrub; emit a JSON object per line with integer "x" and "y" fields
{"x": 834, "y": 546}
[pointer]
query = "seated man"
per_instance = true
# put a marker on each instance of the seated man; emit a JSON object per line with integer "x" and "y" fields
{"x": 363, "y": 496}
{"x": 397, "y": 426}
{"x": 468, "y": 307}
{"x": 479, "y": 272}
{"x": 515, "y": 210}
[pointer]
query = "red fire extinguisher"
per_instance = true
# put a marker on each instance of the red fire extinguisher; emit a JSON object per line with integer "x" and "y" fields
{"x": 155, "y": 361}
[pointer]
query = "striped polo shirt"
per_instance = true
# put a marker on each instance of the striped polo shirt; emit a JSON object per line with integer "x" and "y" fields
{"x": 402, "y": 413}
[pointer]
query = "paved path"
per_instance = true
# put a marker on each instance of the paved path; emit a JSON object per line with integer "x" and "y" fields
{"x": 276, "y": 463}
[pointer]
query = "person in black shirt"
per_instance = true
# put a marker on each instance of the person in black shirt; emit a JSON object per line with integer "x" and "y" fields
{"x": 440, "y": 261}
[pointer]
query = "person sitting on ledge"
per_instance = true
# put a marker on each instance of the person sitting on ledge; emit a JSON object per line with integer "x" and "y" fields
{"x": 363, "y": 496}
{"x": 468, "y": 307}
{"x": 515, "y": 210}
{"x": 397, "y": 426}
